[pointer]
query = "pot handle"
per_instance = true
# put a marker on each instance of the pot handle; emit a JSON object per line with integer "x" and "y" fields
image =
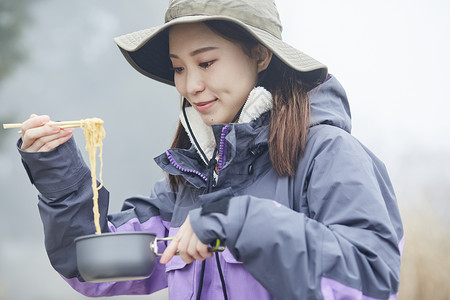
{"x": 154, "y": 246}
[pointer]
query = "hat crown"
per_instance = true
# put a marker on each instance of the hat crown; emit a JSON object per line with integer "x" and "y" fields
{"x": 262, "y": 14}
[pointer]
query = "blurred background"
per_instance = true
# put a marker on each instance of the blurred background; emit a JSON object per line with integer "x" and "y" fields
{"x": 57, "y": 57}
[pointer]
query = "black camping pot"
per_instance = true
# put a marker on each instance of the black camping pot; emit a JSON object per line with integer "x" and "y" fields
{"x": 120, "y": 256}
{"x": 117, "y": 256}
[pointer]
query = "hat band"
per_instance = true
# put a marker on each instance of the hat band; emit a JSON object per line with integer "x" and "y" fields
{"x": 271, "y": 25}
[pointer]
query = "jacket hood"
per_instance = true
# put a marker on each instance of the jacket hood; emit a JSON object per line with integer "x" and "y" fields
{"x": 329, "y": 105}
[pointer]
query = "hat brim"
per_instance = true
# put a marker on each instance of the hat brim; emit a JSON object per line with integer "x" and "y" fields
{"x": 147, "y": 50}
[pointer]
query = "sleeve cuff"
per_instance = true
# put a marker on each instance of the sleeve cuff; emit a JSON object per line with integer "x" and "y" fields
{"x": 216, "y": 225}
{"x": 57, "y": 171}
{"x": 207, "y": 228}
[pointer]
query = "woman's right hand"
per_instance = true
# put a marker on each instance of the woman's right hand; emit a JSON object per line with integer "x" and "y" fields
{"x": 39, "y": 138}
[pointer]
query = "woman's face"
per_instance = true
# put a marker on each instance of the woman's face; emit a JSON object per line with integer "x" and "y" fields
{"x": 212, "y": 73}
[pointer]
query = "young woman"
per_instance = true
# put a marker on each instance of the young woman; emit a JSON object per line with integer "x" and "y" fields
{"x": 262, "y": 160}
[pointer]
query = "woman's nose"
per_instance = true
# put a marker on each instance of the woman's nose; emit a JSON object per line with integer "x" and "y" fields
{"x": 194, "y": 83}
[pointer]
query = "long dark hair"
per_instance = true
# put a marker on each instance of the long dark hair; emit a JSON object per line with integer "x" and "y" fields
{"x": 289, "y": 121}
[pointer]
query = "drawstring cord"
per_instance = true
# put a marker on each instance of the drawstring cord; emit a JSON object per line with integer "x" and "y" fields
{"x": 200, "y": 283}
{"x": 222, "y": 280}
{"x": 191, "y": 132}
{"x": 209, "y": 185}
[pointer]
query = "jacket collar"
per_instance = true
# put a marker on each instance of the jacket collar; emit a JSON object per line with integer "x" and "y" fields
{"x": 245, "y": 143}
{"x": 258, "y": 102}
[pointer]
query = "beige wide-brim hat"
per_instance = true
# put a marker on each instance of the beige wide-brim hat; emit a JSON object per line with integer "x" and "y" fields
{"x": 148, "y": 50}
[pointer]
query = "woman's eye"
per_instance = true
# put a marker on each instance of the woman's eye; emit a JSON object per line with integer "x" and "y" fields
{"x": 177, "y": 70}
{"x": 206, "y": 65}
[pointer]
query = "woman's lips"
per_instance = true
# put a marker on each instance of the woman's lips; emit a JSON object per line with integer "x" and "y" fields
{"x": 204, "y": 106}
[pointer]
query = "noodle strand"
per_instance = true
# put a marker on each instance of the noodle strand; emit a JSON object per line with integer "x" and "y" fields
{"x": 94, "y": 133}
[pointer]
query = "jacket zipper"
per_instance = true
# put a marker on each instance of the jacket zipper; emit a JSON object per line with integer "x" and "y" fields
{"x": 176, "y": 165}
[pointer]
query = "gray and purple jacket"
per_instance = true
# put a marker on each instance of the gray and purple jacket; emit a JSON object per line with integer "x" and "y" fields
{"x": 332, "y": 231}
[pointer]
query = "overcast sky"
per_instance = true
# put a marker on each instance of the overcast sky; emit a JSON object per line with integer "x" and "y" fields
{"x": 393, "y": 59}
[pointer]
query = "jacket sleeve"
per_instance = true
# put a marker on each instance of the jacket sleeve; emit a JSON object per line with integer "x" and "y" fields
{"x": 344, "y": 247}
{"x": 65, "y": 205}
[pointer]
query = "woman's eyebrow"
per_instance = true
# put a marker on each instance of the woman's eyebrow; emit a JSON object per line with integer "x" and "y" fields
{"x": 202, "y": 50}
{"x": 196, "y": 52}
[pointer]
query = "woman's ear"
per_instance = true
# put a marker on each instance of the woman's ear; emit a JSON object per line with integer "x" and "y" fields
{"x": 263, "y": 57}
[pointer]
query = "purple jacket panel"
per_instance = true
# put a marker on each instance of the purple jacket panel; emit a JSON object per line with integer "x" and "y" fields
{"x": 184, "y": 279}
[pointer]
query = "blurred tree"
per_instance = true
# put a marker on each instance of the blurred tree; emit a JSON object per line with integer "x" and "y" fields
{"x": 13, "y": 16}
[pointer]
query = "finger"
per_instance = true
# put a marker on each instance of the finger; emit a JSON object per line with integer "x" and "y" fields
{"x": 170, "y": 251}
{"x": 31, "y": 135}
{"x": 62, "y": 137}
{"x": 202, "y": 249}
{"x": 183, "y": 248}
{"x": 186, "y": 247}
{"x": 34, "y": 121}
{"x": 172, "y": 248}
{"x": 45, "y": 138}
{"x": 192, "y": 249}
{"x": 196, "y": 248}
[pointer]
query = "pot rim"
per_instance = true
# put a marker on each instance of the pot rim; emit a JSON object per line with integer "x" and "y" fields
{"x": 94, "y": 235}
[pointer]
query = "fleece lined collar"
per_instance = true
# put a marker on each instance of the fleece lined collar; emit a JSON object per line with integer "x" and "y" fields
{"x": 258, "y": 102}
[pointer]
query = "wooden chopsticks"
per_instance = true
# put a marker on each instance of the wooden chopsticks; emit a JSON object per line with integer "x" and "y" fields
{"x": 65, "y": 124}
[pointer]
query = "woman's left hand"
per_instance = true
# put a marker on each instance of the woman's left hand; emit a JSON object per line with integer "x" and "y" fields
{"x": 188, "y": 244}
